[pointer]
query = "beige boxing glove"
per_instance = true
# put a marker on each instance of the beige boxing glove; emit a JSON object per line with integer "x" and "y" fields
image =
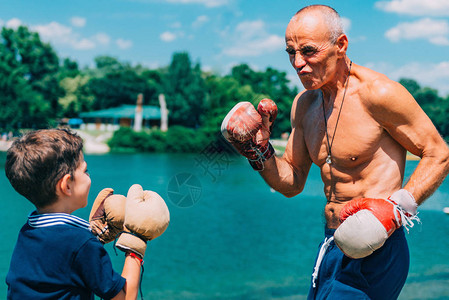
{"x": 107, "y": 215}
{"x": 146, "y": 218}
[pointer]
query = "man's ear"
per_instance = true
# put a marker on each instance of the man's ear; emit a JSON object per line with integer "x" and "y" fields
{"x": 342, "y": 44}
{"x": 64, "y": 187}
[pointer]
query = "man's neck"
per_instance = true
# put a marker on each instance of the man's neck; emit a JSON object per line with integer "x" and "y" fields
{"x": 338, "y": 83}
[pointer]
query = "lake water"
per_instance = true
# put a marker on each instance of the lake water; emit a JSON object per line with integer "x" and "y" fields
{"x": 230, "y": 236}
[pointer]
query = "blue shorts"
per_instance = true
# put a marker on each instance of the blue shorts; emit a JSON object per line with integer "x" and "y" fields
{"x": 378, "y": 276}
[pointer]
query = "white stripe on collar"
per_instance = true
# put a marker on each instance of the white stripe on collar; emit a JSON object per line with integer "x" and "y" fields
{"x": 44, "y": 220}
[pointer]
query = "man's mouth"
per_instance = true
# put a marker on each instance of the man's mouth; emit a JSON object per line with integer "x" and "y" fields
{"x": 302, "y": 74}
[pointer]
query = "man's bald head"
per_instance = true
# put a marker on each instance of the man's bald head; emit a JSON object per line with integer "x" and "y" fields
{"x": 329, "y": 15}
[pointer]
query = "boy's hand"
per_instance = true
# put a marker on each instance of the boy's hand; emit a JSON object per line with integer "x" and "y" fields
{"x": 107, "y": 215}
{"x": 146, "y": 218}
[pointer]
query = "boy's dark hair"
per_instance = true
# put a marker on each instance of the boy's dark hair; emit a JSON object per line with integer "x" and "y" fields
{"x": 38, "y": 160}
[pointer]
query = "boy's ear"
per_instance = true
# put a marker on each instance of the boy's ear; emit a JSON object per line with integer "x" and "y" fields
{"x": 64, "y": 185}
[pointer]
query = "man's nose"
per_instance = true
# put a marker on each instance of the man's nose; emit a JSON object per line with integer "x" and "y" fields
{"x": 299, "y": 62}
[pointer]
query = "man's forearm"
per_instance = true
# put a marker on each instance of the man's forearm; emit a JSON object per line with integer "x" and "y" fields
{"x": 429, "y": 175}
{"x": 281, "y": 176}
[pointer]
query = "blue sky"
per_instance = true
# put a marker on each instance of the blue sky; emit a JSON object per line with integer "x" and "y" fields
{"x": 400, "y": 38}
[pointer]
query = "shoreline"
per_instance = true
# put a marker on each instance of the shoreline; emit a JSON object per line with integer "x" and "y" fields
{"x": 96, "y": 143}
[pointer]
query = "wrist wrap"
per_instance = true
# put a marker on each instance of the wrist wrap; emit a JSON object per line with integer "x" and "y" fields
{"x": 261, "y": 155}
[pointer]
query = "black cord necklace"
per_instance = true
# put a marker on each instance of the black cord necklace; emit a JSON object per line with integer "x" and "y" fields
{"x": 329, "y": 144}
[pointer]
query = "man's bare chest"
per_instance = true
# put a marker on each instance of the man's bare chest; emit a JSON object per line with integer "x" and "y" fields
{"x": 350, "y": 137}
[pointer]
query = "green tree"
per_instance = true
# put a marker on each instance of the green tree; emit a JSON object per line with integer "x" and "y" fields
{"x": 271, "y": 84}
{"x": 155, "y": 83}
{"x": 245, "y": 76}
{"x": 223, "y": 94}
{"x": 115, "y": 83}
{"x": 427, "y": 97}
{"x": 78, "y": 97}
{"x": 69, "y": 68}
{"x": 410, "y": 84}
{"x": 29, "y": 85}
{"x": 185, "y": 91}
{"x": 435, "y": 107}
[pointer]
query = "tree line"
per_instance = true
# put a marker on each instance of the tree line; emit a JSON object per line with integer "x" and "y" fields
{"x": 37, "y": 88}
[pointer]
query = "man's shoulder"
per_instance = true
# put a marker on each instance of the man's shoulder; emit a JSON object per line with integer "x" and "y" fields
{"x": 375, "y": 87}
{"x": 369, "y": 76}
{"x": 302, "y": 102}
{"x": 305, "y": 98}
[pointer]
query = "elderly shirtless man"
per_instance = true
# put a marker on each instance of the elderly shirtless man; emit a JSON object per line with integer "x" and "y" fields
{"x": 356, "y": 125}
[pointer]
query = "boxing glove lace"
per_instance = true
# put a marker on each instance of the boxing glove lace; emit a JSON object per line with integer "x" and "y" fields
{"x": 249, "y": 130}
{"x": 367, "y": 223}
{"x": 107, "y": 215}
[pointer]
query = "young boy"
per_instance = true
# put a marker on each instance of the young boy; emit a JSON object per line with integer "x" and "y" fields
{"x": 56, "y": 255}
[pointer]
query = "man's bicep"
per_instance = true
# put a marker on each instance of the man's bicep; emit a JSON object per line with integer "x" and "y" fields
{"x": 296, "y": 152}
{"x": 297, "y": 155}
{"x": 406, "y": 122}
{"x": 414, "y": 131}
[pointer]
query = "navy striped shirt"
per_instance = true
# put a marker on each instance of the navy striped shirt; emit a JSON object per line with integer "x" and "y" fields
{"x": 57, "y": 257}
{"x": 44, "y": 220}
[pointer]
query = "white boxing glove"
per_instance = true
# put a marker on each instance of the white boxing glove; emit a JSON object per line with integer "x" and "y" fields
{"x": 367, "y": 223}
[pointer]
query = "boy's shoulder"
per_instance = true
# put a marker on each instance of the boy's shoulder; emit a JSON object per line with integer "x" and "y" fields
{"x": 57, "y": 230}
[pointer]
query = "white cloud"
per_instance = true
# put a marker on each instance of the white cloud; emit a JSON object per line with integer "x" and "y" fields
{"x": 102, "y": 38}
{"x": 256, "y": 47}
{"x": 59, "y": 34}
{"x": 78, "y": 21}
{"x": 251, "y": 39}
{"x": 167, "y": 36}
{"x": 207, "y": 3}
{"x": 200, "y": 21}
{"x": 435, "y": 31}
{"x": 2, "y": 23}
{"x": 65, "y": 36}
{"x": 346, "y": 24}
{"x": 176, "y": 25}
{"x": 55, "y": 32}
{"x": 207, "y": 68}
{"x": 124, "y": 44}
{"x": 434, "y": 75}
{"x": 416, "y": 7}
{"x": 151, "y": 64}
{"x": 14, "y": 23}
{"x": 251, "y": 29}
{"x": 83, "y": 44}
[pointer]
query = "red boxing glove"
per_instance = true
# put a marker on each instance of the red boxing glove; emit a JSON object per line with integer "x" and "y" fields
{"x": 249, "y": 130}
{"x": 365, "y": 226}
